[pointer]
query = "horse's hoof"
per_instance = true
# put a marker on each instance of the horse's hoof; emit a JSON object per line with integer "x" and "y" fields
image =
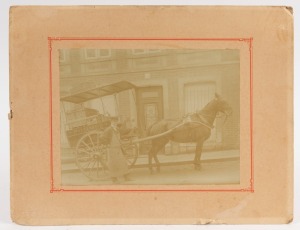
{"x": 198, "y": 167}
{"x": 158, "y": 170}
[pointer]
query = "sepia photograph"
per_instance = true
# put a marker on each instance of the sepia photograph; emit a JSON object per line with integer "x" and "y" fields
{"x": 149, "y": 116}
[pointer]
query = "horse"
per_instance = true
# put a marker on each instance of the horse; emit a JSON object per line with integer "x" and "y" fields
{"x": 193, "y": 128}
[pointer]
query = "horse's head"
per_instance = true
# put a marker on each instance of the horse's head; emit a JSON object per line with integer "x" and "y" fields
{"x": 216, "y": 105}
{"x": 221, "y": 105}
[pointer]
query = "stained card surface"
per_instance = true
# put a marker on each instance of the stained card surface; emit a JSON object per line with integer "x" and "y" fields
{"x": 151, "y": 115}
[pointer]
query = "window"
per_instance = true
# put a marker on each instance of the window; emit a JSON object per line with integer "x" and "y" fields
{"x": 62, "y": 55}
{"x": 90, "y": 53}
{"x": 104, "y": 53}
{"x": 145, "y": 51}
{"x": 97, "y": 53}
{"x": 197, "y": 95}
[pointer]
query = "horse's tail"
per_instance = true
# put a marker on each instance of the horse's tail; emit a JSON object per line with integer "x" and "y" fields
{"x": 149, "y": 129}
{"x": 157, "y": 127}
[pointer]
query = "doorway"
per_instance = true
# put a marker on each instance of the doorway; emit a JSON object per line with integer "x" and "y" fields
{"x": 149, "y": 110}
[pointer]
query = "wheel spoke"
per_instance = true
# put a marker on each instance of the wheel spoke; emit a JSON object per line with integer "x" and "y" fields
{"x": 91, "y": 141}
{"x": 94, "y": 162}
{"x": 98, "y": 167}
{"x": 83, "y": 142}
{"x": 97, "y": 137}
{"x": 88, "y": 164}
{"x": 91, "y": 156}
{"x": 84, "y": 150}
{"x": 83, "y": 159}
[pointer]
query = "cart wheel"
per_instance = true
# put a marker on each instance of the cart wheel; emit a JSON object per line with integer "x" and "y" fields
{"x": 131, "y": 153}
{"x": 91, "y": 156}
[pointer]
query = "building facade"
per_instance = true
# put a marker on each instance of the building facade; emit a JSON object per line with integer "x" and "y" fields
{"x": 169, "y": 84}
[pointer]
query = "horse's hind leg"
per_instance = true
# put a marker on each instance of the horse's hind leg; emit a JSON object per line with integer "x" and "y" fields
{"x": 150, "y": 156}
{"x": 197, "y": 159}
{"x": 157, "y": 163}
{"x": 157, "y": 147}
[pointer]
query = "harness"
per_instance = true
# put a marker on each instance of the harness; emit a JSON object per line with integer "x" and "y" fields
{"x": 187, "y": 120}
{"x": 200, "y": 115}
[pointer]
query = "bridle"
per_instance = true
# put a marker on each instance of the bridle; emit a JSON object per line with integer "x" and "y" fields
{"x": 220, "y": 114}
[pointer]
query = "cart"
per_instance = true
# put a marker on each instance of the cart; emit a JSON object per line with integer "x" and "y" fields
{"x": 84, "y": 126}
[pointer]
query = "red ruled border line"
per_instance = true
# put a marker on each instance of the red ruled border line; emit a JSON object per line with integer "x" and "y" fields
{"x": 251, "y": 114}
{"x": 50, "y": 110}
{"x": 145, "y": 39}
{"x": 248, "y": 40}
{"x": 151, "y": 190}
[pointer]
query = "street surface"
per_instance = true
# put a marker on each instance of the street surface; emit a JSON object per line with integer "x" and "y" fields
{"x": 224, "y": 170}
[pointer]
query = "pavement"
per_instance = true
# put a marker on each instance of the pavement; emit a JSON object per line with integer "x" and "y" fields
{"x": 68, "y": 158}
{"x": 218, "y": 167}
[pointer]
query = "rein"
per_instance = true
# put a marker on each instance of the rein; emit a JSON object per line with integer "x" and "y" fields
{"x": 188, "y": 120}
{"x": 219, "y": 115}
{"x": 185, "y": 121}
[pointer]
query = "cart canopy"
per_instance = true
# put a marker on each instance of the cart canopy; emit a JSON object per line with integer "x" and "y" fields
{"x": 97, "y": 92}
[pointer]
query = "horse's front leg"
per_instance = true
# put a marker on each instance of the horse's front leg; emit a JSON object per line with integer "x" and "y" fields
{"x": 153, "y": 154}
{"x": 150, "y": 155}
{"x": 197, "y": 159}
{"x": 156, "y": 162}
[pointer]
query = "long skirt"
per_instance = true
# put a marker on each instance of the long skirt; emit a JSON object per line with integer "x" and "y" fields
{"x": 116, "y": 162}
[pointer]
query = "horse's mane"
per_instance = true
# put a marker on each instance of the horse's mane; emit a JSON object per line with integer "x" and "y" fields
{"x": 208, "y": 106}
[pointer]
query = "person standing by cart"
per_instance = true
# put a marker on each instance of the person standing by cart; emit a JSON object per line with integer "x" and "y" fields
{"x": 116, "y": 161}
